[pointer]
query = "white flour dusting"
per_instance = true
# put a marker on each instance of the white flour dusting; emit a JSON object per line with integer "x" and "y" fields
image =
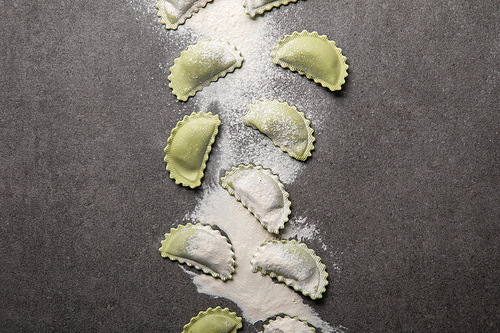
{"x": 257, "y": 79}
{"x": 259, "y": 297}
{"x": 299, "y": 229}
{"x": 288, "y": 325}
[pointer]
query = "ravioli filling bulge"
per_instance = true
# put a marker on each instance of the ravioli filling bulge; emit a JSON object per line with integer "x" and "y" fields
{"x": 189, "y": 146}
{"x": 289, "y": 262}
{"x": 176, "y": 8}
{"x": 312, "y": 55}
{"x": 199, "y": 246}
{"x": 280, "y": 124}
{"x": 261, "y": 194}
{"x": 201, "y": 64}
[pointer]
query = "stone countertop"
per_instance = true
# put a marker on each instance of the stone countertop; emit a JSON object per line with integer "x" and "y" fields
{"x": 402, "y": 187}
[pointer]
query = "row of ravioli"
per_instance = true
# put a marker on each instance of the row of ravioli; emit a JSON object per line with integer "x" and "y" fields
{"x": 288, "y": 261}
{"x": 190, "y": 142}
{"x": 223, "y": 321}
{"x": 262, "y": 193}
{"x": 256, "y": 188}
{"x": 307, "y": 53}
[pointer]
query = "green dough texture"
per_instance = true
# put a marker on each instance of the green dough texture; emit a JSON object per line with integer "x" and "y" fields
{"x": 214, "y": 321}
{"x": 188, "y": 147}
{"x": 313, "y": 56}
{"x": 201, "y": 64}
{"x": 175, "y": 12}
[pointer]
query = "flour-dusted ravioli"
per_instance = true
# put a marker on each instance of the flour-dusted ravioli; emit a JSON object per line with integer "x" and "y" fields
{"x": 284, "y": 125}
{"x": 202, "y": 247}
{"x": 214, "y": 321}
{"x": 255, "y": 7}
{"x": 289, "y": 325}
{"x": 200, "y": 64}
{"x": 314, "y": 56}
{"x": 294, "y": 264}
{"x": 261, "y": 192}
{"x": 189, "y": 146}
{"x": 175, "y": 12}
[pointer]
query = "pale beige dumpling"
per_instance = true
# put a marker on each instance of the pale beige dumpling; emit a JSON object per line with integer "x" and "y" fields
{"x": 256, "y": 7}
{"x": 200, "y": 64}
{"x": 284, "y": 125}
{"x": 201, "y": 247}
{"x": 261, "y": 192}
{"x": 288, "y": 325}
{"x": 294, "y": 264}
{"x": 175, "y": 12}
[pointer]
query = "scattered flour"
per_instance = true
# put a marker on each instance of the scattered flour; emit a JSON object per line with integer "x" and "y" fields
{"x": 262, "y": 193}
{"x": 208, "y": 246}
{"x": 297, "y": 269}
{"x": 257, "y": 79}
{"x": 259, "y": 297}
{"x": 288, "y": 325}
{"x": 299, "y": 229}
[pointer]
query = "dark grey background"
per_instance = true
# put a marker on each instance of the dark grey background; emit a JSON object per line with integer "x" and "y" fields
{"x": 408, "y": 170}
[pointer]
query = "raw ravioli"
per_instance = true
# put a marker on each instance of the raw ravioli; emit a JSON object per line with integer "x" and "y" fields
{"x": 314, "y": 56}
{"x": 201, "y": 64}
{"x": 254, "y": 7}
{"x": 202, "y": 247}
{"x": 289, "y": 325}
{"x": 188, "y": 147}
{"x": 284, "y": 125}
{"x": 261, "y": 192}
{"x": 294, "y": 264}
{"x": 175, "y": 12}
{"x": 214, "y": 321}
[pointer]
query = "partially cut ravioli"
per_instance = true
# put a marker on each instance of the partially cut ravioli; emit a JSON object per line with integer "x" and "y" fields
{"x": 175, "y": 12}
{"x": 261, "y": 192}
{"x": 255, "y": 7}
{"x": 214, "y": 321}
{"x": 288, "y": 325}
{"x": 284, "y": 125}
{"x": 314, "y": 56}
{"x": 294, "y": 264}
{"x": 188, "y": 147}
{"x": 201, "y": 64}
{"x": 202, "y": 247}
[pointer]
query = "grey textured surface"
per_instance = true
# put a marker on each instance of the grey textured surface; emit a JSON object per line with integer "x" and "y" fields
{"x": 403, "y": 181}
